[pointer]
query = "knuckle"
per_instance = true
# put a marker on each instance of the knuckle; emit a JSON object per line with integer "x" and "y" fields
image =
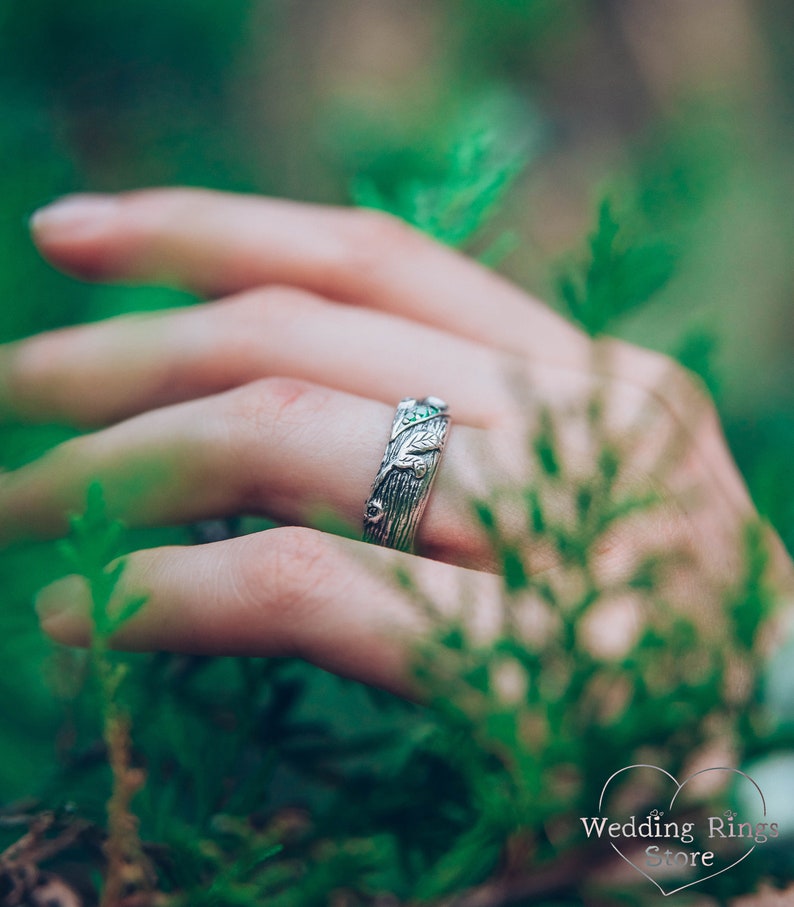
{"x": 283, "y": 410}
{"x": 665, "y": 412}
{"x": 276, "y": 307}
{"x": 292, "y": 566}
{"x": 677, "y": 388}
{"x": 278, "y": 404}
{"x": 373, "y": 237}
{"x": 688, "y": 394}
{"x": 376, "y": 225}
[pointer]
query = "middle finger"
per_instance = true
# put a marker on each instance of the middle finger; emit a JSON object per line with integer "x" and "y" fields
{"x": 101, "y": 373}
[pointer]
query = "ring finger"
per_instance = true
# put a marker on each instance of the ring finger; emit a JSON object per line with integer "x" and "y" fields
{"x": 280, "y": 447}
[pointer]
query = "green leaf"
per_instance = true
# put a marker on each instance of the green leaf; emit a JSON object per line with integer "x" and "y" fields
{"x": 129, "y": 609}
{"x": 545, "y": 446}
{"x": 515, "y": 575}
{"x": 485, "y": 515}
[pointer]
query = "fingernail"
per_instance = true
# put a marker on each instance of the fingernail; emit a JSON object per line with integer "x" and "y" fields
{"x": 74, "y": 214}
{"x": 67, "y": 597}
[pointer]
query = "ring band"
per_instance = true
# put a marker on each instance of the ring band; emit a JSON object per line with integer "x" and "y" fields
{"x": 402, "y": 486}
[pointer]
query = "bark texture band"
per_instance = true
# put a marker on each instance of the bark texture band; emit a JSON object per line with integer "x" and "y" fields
{"x": 401, "y": 488}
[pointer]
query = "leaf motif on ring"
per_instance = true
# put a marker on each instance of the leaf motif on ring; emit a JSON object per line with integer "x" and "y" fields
{"x": 426, "y": 442}
{"x": 412, "y": 454}
{"x": 411, "y": 461}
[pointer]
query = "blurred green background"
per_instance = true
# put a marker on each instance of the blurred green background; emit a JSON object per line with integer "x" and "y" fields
{"x": 683, "y": 111}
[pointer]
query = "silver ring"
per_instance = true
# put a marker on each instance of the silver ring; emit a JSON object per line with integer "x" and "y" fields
{"x": 402, "y": 486}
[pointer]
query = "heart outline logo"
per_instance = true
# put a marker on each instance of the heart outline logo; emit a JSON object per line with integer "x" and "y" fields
{"x": 679, "y": 788}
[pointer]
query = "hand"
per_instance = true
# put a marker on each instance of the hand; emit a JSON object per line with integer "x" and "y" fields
{"x": 279, "y": 398}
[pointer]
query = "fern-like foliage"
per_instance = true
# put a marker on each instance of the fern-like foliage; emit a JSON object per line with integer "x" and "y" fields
{"x": 619, "y": 273}
{"x": 95, "y": 541}
{"x": 455, "y": 208}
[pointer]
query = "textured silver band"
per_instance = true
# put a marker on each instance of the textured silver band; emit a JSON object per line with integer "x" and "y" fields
{"x": 401, "y": 488}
